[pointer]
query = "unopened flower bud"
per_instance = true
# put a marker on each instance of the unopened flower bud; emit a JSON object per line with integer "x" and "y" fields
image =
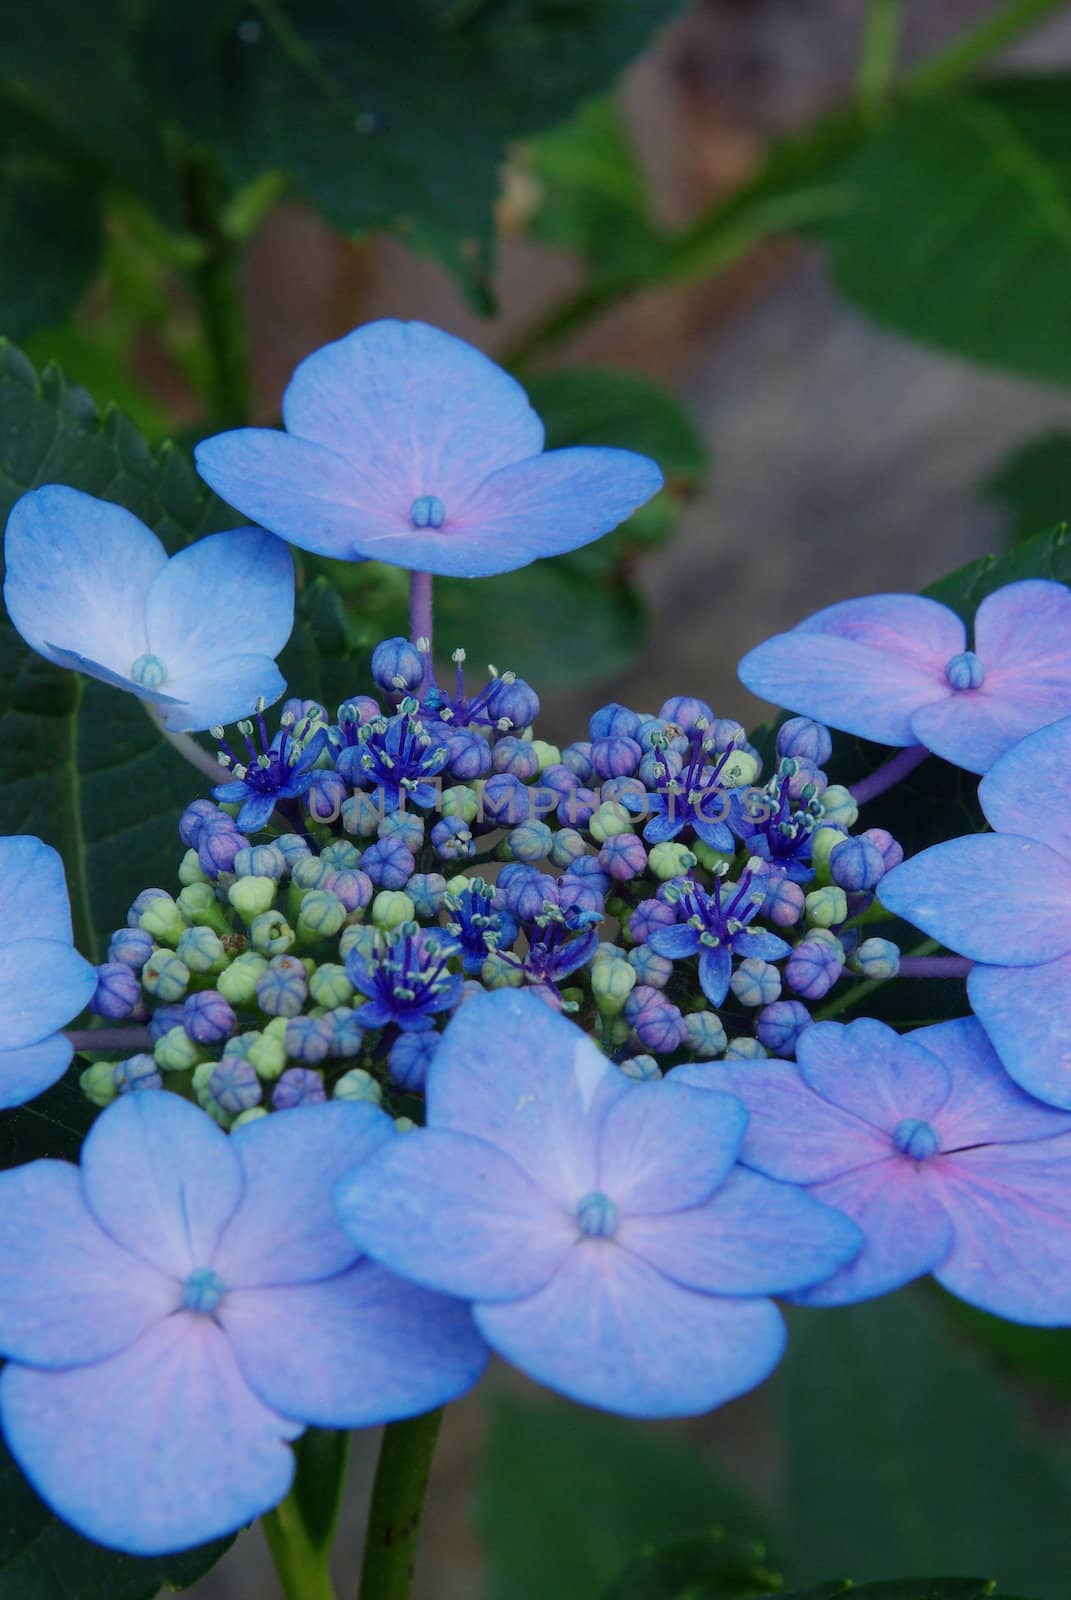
{"x": 755, "y": 982}
{"x": 783, "y": 905}
{"x": 356, "y": 1085}
{"x": 838, "y": 807}
{"x": 856, "y": 864}
{"x": 329, "y": 986}
{"x": 266, "y": 1051}
{"x": 118, "y": 992}
{"x": 131, "y": 946}
{"x": 207, "y": 1017}
{"x": 825, "y": 908}
{"x": 686, "y": 712}
{"x": 189, "y": 871}
{"x": 162, "y": 919}
{"x": 410, "y": 1058}
{"x": 778, "y": 1027}
{"x": 427, "y": 890}
{"x": 251, "y": 897}
{"x": 531, "y": 841}
{"x": 320, "y": 917}
{"x": 135, "y": 1074}
{"x": 876, "y": 958}
{"x": 513, "y": 701}
{"x": 270, "y": 934}
{"x": 805, "y": 739}
{"x": 649, "y": 967}
{"x": 308, "y": 1039}
{"x": 98, "y": 1084}
{"x": 623, "y": 857}
{"x": 891, "y": 852}
{"x": 500, "y": 971}
{"x": 612, "y": 982}
{"x": 390, "y": 908}
{"x": 282, "y": 987}
{"x": 347, "y": 1034}
{"x": 397, "y": 666}
{"x": 165, "y": 976}
{"x": 238, "y": 982}
{"x": 260, "y": 861}
{"x": 641, "y": 1069}
{"x": 744, "y": 1049}
{"x": 452, "y": 839}
{"x": 202, "y": 950}
{"x": 704, "y": 1035}
{"x": 824, "y": 841}
{"x": 815, "y": 965}
{"x": 658, "y": 1024}
{"x": 671, "y": 860}
{"x": 176, "y": 1051}
{"x": 298, "y": 1086}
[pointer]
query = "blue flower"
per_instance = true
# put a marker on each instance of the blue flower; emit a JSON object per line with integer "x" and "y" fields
{"x": 477, "y": 925}
{"x": 1003, "y": 899}
{"x": 407, "y": 445}
{"x": 89, "y": 587}
{"x": 896, "y": 668}
{"x": 44, "y": 982}
{"x": 925, "y": 1142}
{"x": 695, "y": 797}
{"x": 281, "y": 770}
{"x": 178, "y": 1310}
{"x": 715, "y": 927}
{"x": 395, "y": 757}
{"x": 406, "y": 978}
{"x": 610, "y": 1247}
{"x": 776, "y": 830}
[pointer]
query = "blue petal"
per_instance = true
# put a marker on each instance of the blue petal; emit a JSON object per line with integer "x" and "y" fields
{"x": 46, "y": 983}
{"x": 674, "y": 943}
{"x": 766, "y": 946}
{"x": 1026, "y": 1012}
{"x": 663, "y": 826}
{"x": 255, "y": 812}
{"x": 26, "y": 1073}
{"x": 575, "y": 954}
{"x": 717, "y": 835}
{"x": 665, "y": 1146}
{"x": 715, "y": 971}
{"x": 174, "y": 1410}
{"x": 231, "y": 793}
{"x": 33, "y": 891}
{"x": 1010, "y": 793}
{"x": 231, "y": 589}
{"x": 223, "y": 691}
{"x": 78, "y": 571}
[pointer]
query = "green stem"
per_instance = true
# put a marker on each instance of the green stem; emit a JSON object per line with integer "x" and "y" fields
{"x": 849, "y": 1000}
{"x": 397, "y": 1502}
{"x": 217, "y": 287}
{"x": 299, "y": 1531}
{"x": 950, "y": 66}
{"x": 881, "y": 50}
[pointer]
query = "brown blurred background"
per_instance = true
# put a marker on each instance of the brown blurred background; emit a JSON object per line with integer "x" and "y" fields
{"x": 844, "y": 461}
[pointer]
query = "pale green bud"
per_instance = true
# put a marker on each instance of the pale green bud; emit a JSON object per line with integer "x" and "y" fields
{"x": 356, "y": 1084}
{"x": 189, "y": 871}
{"x": 611, "y": 984}
{"x": 704, "y": 1035}
{"x": 618, "y": 1032}
{"x": 498, "y": 973}
{"x": 321, "y": 916}
{"x": 355, "y": 937}
{"x": 838, "y": 806}
{"x": 608, "y": 952}
{"x": 404, "y": 1124}
{"x": 253, "y": 1114}
{"x": 746, "y": 1050}
{"x": 548, "y": 755}
{"x": 460, "y": 801}
{"x": 823, "y": 844}
{"x": 708, "y": 857}
{"x": 251, "y": 897}
{"x": 98, "y": 1083}
{"x": 672, "y": 860}
{"x": 163, "y": 920}
{"x": 266, "y": 1053}
{"x": 392, "y": 907}
{"x": 741, "y": 768}
{"x": 176, "y": 1051}
{"x": 202, "y": 950}
{"x": 238, "y": 982}
{"x": 329, "y": 986}
{"x": 610, "y": 820}
{"x": 165, "y": 976}
{"x": 825, "y": 908}
{"x": 270, "y": 933}
{"x": 201, "y": 908}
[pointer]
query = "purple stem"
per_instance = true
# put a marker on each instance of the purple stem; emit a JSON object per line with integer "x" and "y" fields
{"x": 109, "y": 1038}
{"x": 420, "y": 607}
{"x": 897, "y": 767}
{"x": 934, "y": 967}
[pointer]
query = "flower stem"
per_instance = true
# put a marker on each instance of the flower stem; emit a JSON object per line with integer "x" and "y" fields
{"x": 84, "y": 1039}
{"x": 190, "y": 750}
{"x": 420, "y": 618}
{"x": 949, "y": 66}
{"x": 397, "y": 1502}
{"x": 881, "y": 49}
{"x": 299, "y": 1531}
{"x": 851, "y": 998}
{"x": 934, "y": 967}
{"x": 890, "y": 773}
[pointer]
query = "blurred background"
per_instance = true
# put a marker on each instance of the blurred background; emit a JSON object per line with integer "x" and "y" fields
{"x": 808, "y": 255}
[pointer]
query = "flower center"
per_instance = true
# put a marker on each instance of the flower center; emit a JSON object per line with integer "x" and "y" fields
{"x": 965, "y": 671}
{"x": 427, "y": 511}
{"x": 597, "y": 1216}
{"x": 918, "y": 1140}
{"x": 149, "y": 671}
{"x": 202, "y": 1291}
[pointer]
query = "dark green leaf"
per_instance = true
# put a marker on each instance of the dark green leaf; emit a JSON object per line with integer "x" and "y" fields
{"x": 711, "y": 1568}
{"x": 42, "y": 1559}
{"x": 321, "y": 662}
{"x": 568, "y": 1497}
{"x": 51, "y": 1126}
{"x": 1034, "y": 485}
{"x": 901, "y": 1589}
{"x": 906, "y": 1455}
{"x": 960, "y": 230}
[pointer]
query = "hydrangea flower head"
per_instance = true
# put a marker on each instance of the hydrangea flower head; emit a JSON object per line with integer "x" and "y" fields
{"x": 927, "y": 1144}
{"x": 896, "y": 668}
{"x": 405, "y": 444}
{"x": 45, "y": 981}
{"x": 610, "y": 1245}
{"x": 175, "y": 1312}
{"x": 1003, "y": 899}
{"x": 90, "y": 587}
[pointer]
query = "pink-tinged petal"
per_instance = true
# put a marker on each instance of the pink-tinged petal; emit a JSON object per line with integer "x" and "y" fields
{"x": 33, "y": 891}
{"x": 985, "y": 1105}
{"x": 974, "y": 727}
{"x": 847, "y": 685}
{"x": 869, "y": 1070}
{"x": 610, "y": 1331}
{"x": 1026, "y": 1012}
{"x": 306, "y": 494}
{"x": 911, "y": 627}
{"x": 513, "y": 1072}
{"x": 416, "y": 410}
{"x": 162, "y": 1179}
{"x": 354, "y": 1350}
{"x": 1010, "y": 1207}
{"x": 1022, "y": 635}
{"x": 159, "y": 1448}
{"x": 197, "y": 604}
{"x": 665, "y": 1146}
{"x": 77, "y": 573}
{"x": 992, "y": 897}
{"x": 26, "y": 1073}
{"x": 896, "y": 1206}
{"x": 1028, "y": 791}
{"x": 286, "y": 1229}
{"x": 754, "y": 1236}
{"x": 68, "y": 1293}
{"x": 454, "y": 1214}
{"x": 210, "y": 694}
{"x": 46, "y": 983}
{"x": 792, "y": 1133}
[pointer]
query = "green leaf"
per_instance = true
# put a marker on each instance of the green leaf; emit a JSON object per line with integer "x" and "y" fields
{"x": 85, "y": 769}
{"x": 960, "y": 230}
{"x": 711, "y": 1568}
{"x": 52, "y": 1126}
{"x": 1034, "y": 485}
{"x": 591, "y": 195}
{"x": 369, "y": 129}
{"x": 569, "y": 1497}
{"x": 901, "y": 1589}
{"x": 42, "y": 1559}
{"x": 905, "y": 1454}
{"x": 550, "y": 623}
{"x": 50, "y": 221}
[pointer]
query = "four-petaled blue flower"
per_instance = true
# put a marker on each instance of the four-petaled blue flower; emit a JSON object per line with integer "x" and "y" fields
{"x": 1003, "y": 899}
{"x": 896, "y": 668}
{"x": 926, "y": 1143}
{"x": 714, "y": 926}
{"x": 406, "y": 977}
{"x": 698, "y": 798}
{"x": 407, "y": 445}
{"x": 775, "y": 829}
{"x": 395, "y": 757}
{"x": 280, "y": 770}
{"x": 175, "y": 1312}
{"x": 89, "y": 587}
{"x": 610, "y": 1245}
{"x": 477, "y": 925}
{"x": 44, "y": 982}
